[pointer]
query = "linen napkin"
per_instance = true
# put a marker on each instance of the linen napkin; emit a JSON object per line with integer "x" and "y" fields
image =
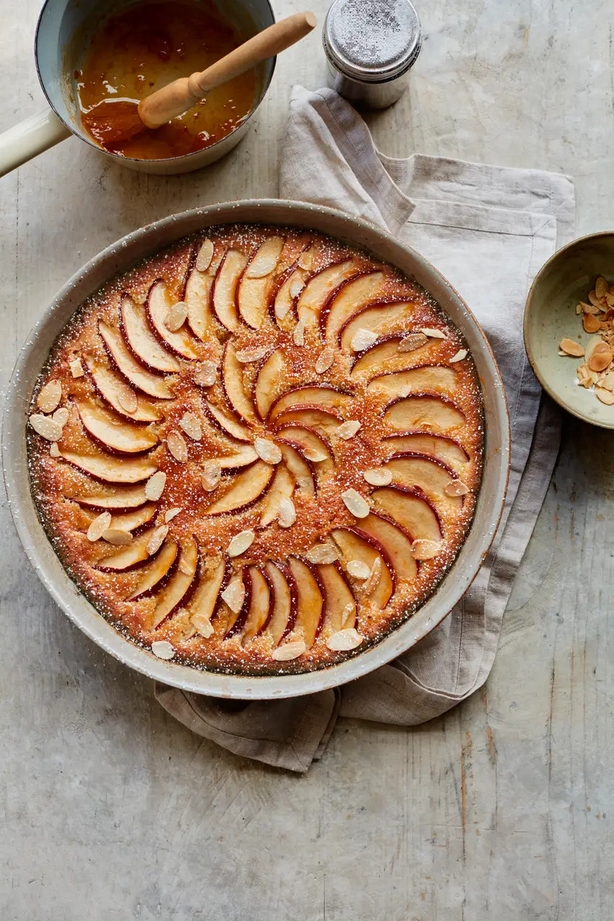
{"x": 488, "y": 229}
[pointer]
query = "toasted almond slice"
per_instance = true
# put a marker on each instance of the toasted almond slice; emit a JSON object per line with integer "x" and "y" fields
{"x": 117, "y": 536}
{"x": 588, "y": 308}
{"x": 191, "y": 425}
{"x": 433, "y": 333}
{"x": 358, "y": 569}
{"x": 154, "y": 487}
{"x": 412, "y": 342}
{"x": 322, "y": 553}
{"x": 176, "y": 316}
{"x": 265, "y": 259}
{"x": 289, "y": 651}
{"x": 76, "y": 367}
{"x": 172, "y": 513}
{"x": 579, "y": 308}
{"x": 177, "y": 446}
{"x": 206, "y": 374}
{"x": 162, "y": 649}
{"x": 608, "y": 381}
{"x": 296, "y": 286}
{"x": 378, "y": 476}
{"x": 307, "y": 259}
{"x": 458, "y": 356}
{"x": 314, "y": 455}
{"x": 348, "y": 429}
{"x": 234, "y": 595}
{"x": 54, "y": 451}
{"x": 601, "y": 287}
{"x": 211, "y": 476}
{"x": 49, "y": 397}
{"x": 98, "y": 526}
{"x": 590, "y": 323}
{"x": 325, "y": 360}
{"x": 205, "y": 256}
{"x": 348, "y": 611}
{"x": 424, "y": 549}
{"x": 241, "y": 542}
{"x": 61, "y": 416}
{"x": 362, "y": 339}
{"x": 569, "y": 347}
{"x": 600, "y": 358}
{"x": 594, "y": 300}
{"x": 127, "y": 398}
{"x": 606, "y": 396}
{"x": 355, "y": 503}
{"x": 202, "y": 625}
{"x": 46, "y": 427}
{"x": 245, "y": 356}
{"x": 157, "y": 539}
{"x": 374, "y": 576}
{"x": 456, "y": 488}
{"x": 267, "y": 450}
{"x": 343, "y": 640}
{"x": 609, "y": 299}
{"x": 298, "y": 335}
{"x": 286, "y": 516}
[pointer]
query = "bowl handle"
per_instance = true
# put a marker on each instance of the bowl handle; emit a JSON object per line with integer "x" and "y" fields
{"x": 30, "y": 138}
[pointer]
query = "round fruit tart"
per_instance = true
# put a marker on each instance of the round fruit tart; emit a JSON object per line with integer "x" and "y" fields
{"x": 258, "y": 451}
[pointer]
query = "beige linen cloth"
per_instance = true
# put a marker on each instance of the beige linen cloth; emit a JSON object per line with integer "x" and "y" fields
{"x": 488, "y": 230}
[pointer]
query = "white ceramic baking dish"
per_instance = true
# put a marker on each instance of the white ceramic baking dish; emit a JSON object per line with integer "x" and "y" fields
{"x": 121, "y": 256}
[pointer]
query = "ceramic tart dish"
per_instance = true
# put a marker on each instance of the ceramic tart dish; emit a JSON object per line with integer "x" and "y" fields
{"x": 258, "y": 451}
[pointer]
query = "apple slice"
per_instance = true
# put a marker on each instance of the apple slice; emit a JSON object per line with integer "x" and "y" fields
{"x": 310, "y": 602}
{"x": 366, "y": 549}
{"x": 312, "y": 446}
{"x": 427, "y": 474}
{"x": 205, "y": 601}
{"x": 118, "y": 436}
{"x": 396, "y": 544}
{"x": 320, "y": 286}
{"x": 446, "y": 449}
{"x": 112, "y": 387}
{"x": 385, "y": 356}
{"x": 225, "y": 288}
{"x": 128, "y": 556}
{"x": 255, "y": 282}
{"x": 129, "y": 521}
{"x": 321, "y": 396}
{"x": 268, "y": 382}
{"x": 285, "y": 297}
{"x": 436, "y": 378}
{"x": 260, "y": 605}
{"x": 227, "y": 424}
{"x": 237, "y": 621}
{"x": 349, "y": 299}
{"x": 122, "y": 497}
{"x": 322, "y": 421}
{"x": 246, "y": 488}
{"x": 301, "y": 470}
{"x": 281, "y": 487}
{"x": 375, "y": 318}
{"x": 232, "y": 381}
{"x": 242, "y": 458}
{"x": 197, "y": 297}
{"x": 158, "y": 570}
{"x": 112, "y": 469}
{"x": 142, "y": 341}
{"x": 339, "y": 603}
{"x": 412, "y": 511}
{"x": 285, "y": 601}
{"x": 159, "y": 302}
{"x": 180, "y": 582}
{"x": 435, "y": 414}
{"x": 133, "y": 371}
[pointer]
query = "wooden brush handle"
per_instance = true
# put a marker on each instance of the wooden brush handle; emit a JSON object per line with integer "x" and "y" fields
{"x": 182, "y": 94}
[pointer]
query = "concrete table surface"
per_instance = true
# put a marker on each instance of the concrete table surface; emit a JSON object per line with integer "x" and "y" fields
{"x": 500, "y": 810}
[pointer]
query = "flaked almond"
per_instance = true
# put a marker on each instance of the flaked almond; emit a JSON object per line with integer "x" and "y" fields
{"x": 583, "y": 307}
{"x": 117, "y": 536}
{"x": 176, "y": 316}
{"x": 298, "y": 335}
{"x": 609, "y": 299}
{"x": 245, "y": 356}
{"x": 46, "y": 427}
{"x": 601, "y": 357}
{"x": 177, "y": 446}
{"x": 322, "y": 553}
{"x": 606, "y": 396}
{"x": 374, "y": 576}
{"x": 54, "y": 451}
{"x": 206, "y": 374}
{"x": 424, "y": 549}
{"x": 593, "y": 343}
{"x": 191, "y": 425}
{"x": 296, "y": 286}
{"x": 49, "y": 397}
{"x": 343, "y": 640}
{"x": 184, "y": 566}
{"x": 378, "y": 476}
{"x": 98, "y": 526}
{"x": 234, "y": 595}
{"x": 358, "y": 569}
{"x": 569, "y": 347}
{"x": 289, "y": 651}
{"x": 157, "y": 539}
{"x": 325, "y": 360}
{"x": 608, "y": 381}
{"x": 315, "y": 455}
{"x": 579, "y": 308}
{"x": 412, "y": 342}
{"x": 307, "y": 259}
{"x": 601, "y": 287}
{"x": 456, "y": 488}
{"x": 432, "y": 332}
{"x": 348, "y": 429}
{"x": 266, "y": 258}
{"x": 76, "y": 367}
{"x": 172, "y": 513}
{"x": 61, "y": 416}
{"x": 590, "y": 323}
{"x": 211, "y": 475}
{"x": 267, "y": 450}
{"x": 205, "y": 256}
{"x": 458, "y": 356}
{"x": 127, "y": 398}
{"x": 362, "y": 339}
{"x": 355, "y": 503}
{"x": 286, "y": 515}
{"x": 348, "y": 612}
{"x": 305, "y": 483}
{"x": 241, "y": 542}
{"x": 154, "y": 487}
{"x": 162, "y": 649}
{"x": 202, "y": 625}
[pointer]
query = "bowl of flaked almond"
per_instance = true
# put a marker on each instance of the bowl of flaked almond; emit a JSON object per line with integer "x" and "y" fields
{"x": 569, "y": 328}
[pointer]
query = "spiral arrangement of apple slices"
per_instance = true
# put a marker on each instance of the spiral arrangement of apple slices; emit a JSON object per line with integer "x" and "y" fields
{"x": 271, "y": 459}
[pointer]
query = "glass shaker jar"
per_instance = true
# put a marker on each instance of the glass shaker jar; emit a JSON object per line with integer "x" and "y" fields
{"x": 370, "y": 46}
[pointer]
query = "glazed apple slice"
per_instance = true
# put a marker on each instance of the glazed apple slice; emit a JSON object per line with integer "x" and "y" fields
{"x": 312, "y": 446}
{"x": 436, "y": 378}
{"x": 197, "y": 297}
{"x": 320, "y": 286}
{"x": 228, "y": 424}
{"x": 321, "y": 396}
{"x": 178, "y": 585}
{"x": 134, "y": 372}
{"x": 129, "y": 556}
{"x": 225, "y": 289}
{"x": 301, "y": 469}
{"x": 112, "y": 387}
{"x": 285, "y": 601}
{"x": 366, "y": 549}
{"x": 412, "y": 511}
{"x": 246, "y": 488}
{"x": 260, "y": 605}
{"x": 427, "y": 474}
{"x": 121, "y": 497}
{"x": 129, "y": 521}
{"x": 395, "y": 542}
{"x": 237, "y": 622}
{"x": 112, "y": 469}
{"x": 385, "y": 356}
{"x": 159, "y": 302}
{"x": 268, "y": 382}
{"x": 205, "y": 600}
{"x": 232, "y": 381}
{"x": 310, "y": 603}
{"x": 375, "y": 318}
{"x": 158, "y": 570}
{"x": 323, "y": 421}
{"x": 446, "y": 449}
{"x": 143, "y": 342}
{"x": 339, "y": 603}
{"x": 242, "y": 458}
{"x": 255, "y": 282}
{"x": 349, "y": 299}
{"x": 281, "y": 487}
{"x": 432, "y": 413}
{"x": 118, "y": 436}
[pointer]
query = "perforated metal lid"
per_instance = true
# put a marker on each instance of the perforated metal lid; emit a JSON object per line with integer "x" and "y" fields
{"x": 372, "y": 40}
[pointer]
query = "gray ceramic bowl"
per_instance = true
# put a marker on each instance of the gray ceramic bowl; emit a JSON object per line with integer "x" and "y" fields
{"x": 121, "y": 256}
{"x": 550, "y": 315}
